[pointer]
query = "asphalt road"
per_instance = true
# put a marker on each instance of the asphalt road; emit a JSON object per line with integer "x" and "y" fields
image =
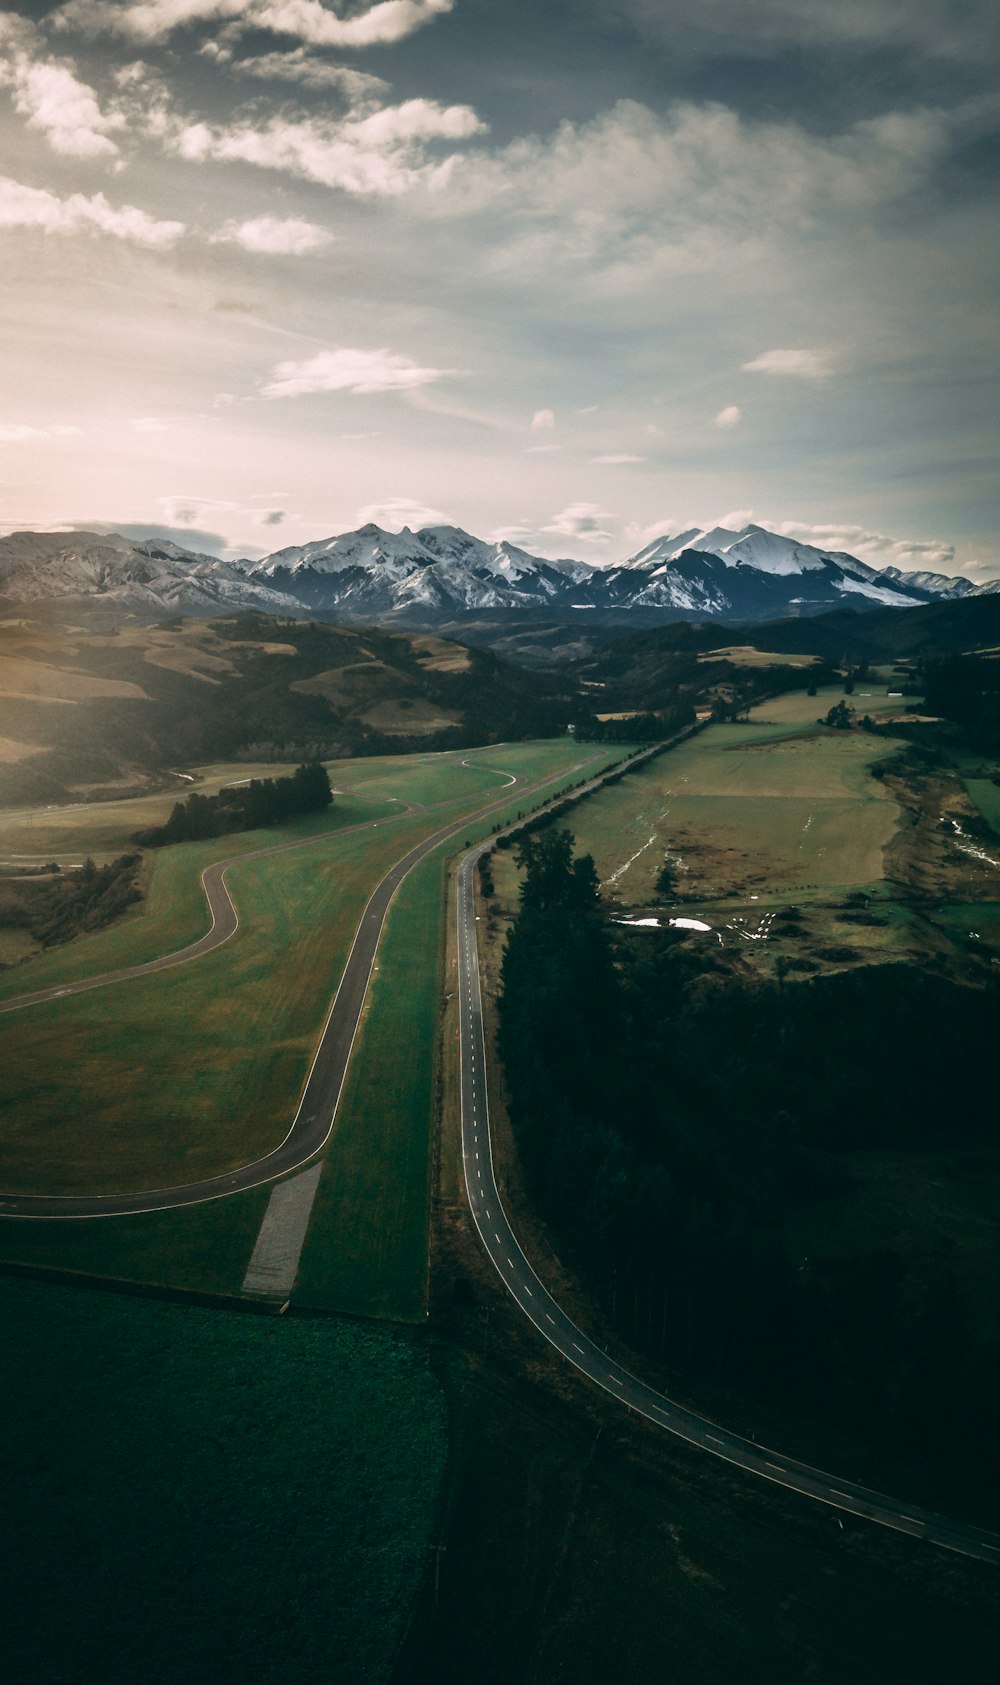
{"x": 534, "y": 1300}
{"x": 313, "y": 1122}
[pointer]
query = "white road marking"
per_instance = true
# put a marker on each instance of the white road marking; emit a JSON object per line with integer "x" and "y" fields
{"x": 579, "y": 1349}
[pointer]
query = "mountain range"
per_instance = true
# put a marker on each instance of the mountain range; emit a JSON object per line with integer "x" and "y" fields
{"x": 417, "y": 578}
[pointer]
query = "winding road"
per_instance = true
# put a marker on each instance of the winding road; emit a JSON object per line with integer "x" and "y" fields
{"x": 537, "y": 1304}
{"x": 313, "y": 1124}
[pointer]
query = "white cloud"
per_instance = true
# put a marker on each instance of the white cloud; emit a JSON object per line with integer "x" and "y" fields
{"x": 633, "y": 196}
{"x": 308, "y": 71}
{"x": 151, "y": 424}
{"x": 542, "y": 419}
{"x": 802, "y": 364}
{"x": 731, "y": 416}
{"x": 377, "y": 153}
{"x": 272, "y": 236}
{"x": 394, "y": 513}
{"x": 541, "y": 450}
{"x": 347, "y": 370}
{"x": 583, "y": 522}
{"x": 876, "y": 548}
{"x": 49, "y": 95}
{"x": 17, "y": 433}
{"x": 616, "y": 457}
{"x": 639, "y": 536}
{"x": 35, "y": 207}
{"x": 308, "y": 20}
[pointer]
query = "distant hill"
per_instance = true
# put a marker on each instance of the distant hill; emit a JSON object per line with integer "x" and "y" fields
{"x": 85, "y": 710}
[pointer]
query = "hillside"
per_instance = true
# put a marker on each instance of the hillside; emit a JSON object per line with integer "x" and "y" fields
{"x": 86, "y": 711}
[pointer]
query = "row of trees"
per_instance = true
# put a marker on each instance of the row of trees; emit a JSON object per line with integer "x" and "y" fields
{"x": 673, "y": 1113}
{"x": 259, "y": 803}
{"x": 59, "y": 907}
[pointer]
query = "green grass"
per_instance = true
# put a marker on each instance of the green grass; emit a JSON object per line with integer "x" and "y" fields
{"x": 366, "y": 1250}
{"x": 174, "y": 912}
{"x": 197, "y": 1070}
{"x": 192, "y": 1495}
{"x": 776, "y": 808}
{"x": 986, "y": 796}
{"x": 202, "y": 1247}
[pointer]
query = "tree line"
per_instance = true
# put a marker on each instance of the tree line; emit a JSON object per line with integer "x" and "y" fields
{"x": 259, "y": 803}
{"x": 673, "y": 1111}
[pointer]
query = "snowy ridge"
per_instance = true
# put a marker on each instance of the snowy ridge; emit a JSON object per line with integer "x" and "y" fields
{"x": 371, "y": 574}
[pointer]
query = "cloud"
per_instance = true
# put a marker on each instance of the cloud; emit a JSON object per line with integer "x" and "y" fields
{"x": 394, "y": 513}
{"x": 939, "y": 28}
{"x": 618, "y": 457}
{"x": 347, "y": 370}
{"x": 36, "y": 207}
{"x": 51, "y": 97}
{"x": 308, "y": 20}
{"x": 186, "y": 536}
{"x": 274, "y": 236}
{"x": 17, "y": 433}
{"x": 731, "y": 416}
{"x": 542, "y": 419}
{"x": 876, "y": 548}
{"x": 378, "y": 153}
{"x": 541, "y": 450}
{"x": 583, "y": 522}
{"x": 802, "y": 365}
{"x": 308, "y": 71}
{"x": 151, "y": 424}
{"x": 634, "y": 196}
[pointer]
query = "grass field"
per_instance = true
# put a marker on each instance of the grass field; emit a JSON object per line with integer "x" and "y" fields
{"x": 773, "y": 810}
{"x": 366, "y": 1249}
{"x": 193, "y": 1495}
{"x": 95, "y": 1094}
{"x": 203, "y": 1248}
{"x": 986, "y": 796}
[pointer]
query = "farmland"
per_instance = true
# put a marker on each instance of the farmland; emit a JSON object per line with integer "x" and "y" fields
{"x": 747, "y": 816}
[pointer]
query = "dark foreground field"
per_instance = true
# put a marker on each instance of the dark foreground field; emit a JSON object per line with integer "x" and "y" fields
{"x": 195, "y": 1495}
{"x": 582, "y": 1546}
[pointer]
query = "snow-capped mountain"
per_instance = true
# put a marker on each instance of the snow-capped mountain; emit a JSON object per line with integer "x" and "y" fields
{"x": 754, "y": 574}
{"x": 372, "y": 572}
{"x": 442, "y": 572}
{"x": 150, "y": 577}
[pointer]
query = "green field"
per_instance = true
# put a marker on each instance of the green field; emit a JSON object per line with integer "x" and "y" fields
{"x": 193, "y": 1495}
{"x": 201, "y": 1248}
{"x": 82, "y": 1112}
{"x": 775, "y": 809}
{"x": 366, "y": 1250}
{"x": 986, "y": 796}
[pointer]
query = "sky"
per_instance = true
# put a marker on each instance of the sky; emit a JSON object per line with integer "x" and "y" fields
{"x": 573, "y": 275}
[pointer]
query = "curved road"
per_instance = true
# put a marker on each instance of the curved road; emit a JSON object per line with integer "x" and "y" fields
{"x": 313, "y": 1122}
{"x": 538, "y": 1305}
{"x": 225, "y": 918}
